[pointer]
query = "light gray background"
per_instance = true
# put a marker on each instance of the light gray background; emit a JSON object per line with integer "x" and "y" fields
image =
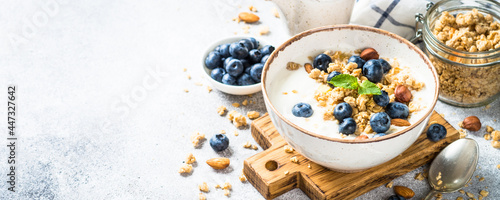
{"x": 76, "y": 68}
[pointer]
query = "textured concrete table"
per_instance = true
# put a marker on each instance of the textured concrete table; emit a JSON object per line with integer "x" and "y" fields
{"x": 101, "y": 107}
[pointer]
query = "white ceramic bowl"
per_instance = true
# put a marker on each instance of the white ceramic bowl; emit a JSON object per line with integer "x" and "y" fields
{"x": 230, "y": 89}
{"x": 341, "y": 154}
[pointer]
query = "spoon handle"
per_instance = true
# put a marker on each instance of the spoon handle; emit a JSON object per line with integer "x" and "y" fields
{"x": 431, "y": 195}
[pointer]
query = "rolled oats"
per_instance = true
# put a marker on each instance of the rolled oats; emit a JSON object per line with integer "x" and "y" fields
{"x": 190, "y": 159}
{"x": 197, "y": 139}
{"x": 202, "y": 196}
{"x": 185, "y": 169}
{"x": 221, "y": 110}
{"x": 253, "y": 114}
{"x": 238, "y": 119}
{"x": 204, "y": 187}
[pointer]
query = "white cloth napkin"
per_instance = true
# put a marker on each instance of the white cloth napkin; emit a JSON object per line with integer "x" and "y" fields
{"x": 397, "y": 16}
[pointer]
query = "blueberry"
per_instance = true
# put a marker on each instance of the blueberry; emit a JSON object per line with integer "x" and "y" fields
{"x": 238, "y": 50}
{"x": 245, "y": 79}
{"x": 245, "y": 63}
{"x": 247, "y": 70}
{"x": 373, "y": 71}
{"x": 256, "y": 72}
{"x": 247, "y": 43}
{"x": 219, "y": 142}
{"x": 266, "y": 50}
{"x": 385, "y": 65}
{"x": 378, "y": 135}
{"x": 330, "y": 76}
{"x": 217, "y": 74}
{"x": 321, "y": 62}
{"x": 348, "y": 126}
{"x": 213, "y": 60}
{"x": 381, "y": 100}
{"x": 264, "y": 59}
{"x": 302, "y": 110}
{"x": 217, "y": 48}
{"x": 342, "y": 111}
{"x": 380, "y": 122}
{"x": 436, "y": 132}
{"x": 228, "y": 79}
{"x": 224, "y": 50}
{"x": 255, "y": 55}
{"x": 226, "y": 61}
{"x": 358, "y": 60}
{"x": 396, "y": 197}
{"x": 397, "y": 110}
{"x": 234, "y": 67}
{"x": 254, "y": 42}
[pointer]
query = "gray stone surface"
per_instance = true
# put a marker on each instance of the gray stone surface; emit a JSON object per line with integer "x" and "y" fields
{"x": 101, "y": 107}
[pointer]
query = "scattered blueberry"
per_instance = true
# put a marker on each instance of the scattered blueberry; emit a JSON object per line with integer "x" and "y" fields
{"x": 255, "y": 55}
{"x": 245, "y": 79}
{"x": 217, "y": 74}
{"x": 254, "y": 42}
{"x": 248, "y": 43}
{"x": 228, "y": 79}
{"x": 396, "y": 197}
{"x": 348, "y": 126}
{"x": 385, "y": 65}
{"x": 302, "y": 110}
{"x": 266, "y": 50}
{"x": 378, "y": 135}
{"x": 342, "y": 111}
{"x": 373, "y": 71}
{"x": 358, "y": 60}
{"x": 256, "y": 72}
{"x": 330, "y": 76}
{"x": 213, "y": 60}
{"x": 264, "y": 59}
{"x": 238, "y": 50}
{"x": 381, "y": 100}
{"x": 224, "y": 50}
{"x": 380, "y": 122}
{"x": 234, "y": 67}
{"x": 397, "y": 110}
{"x": 436, "y": 132}
{"x": 219, "y": 142}
{"x": 321, "y": 62}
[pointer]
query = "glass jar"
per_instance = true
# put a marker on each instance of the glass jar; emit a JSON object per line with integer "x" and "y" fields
{"x": 467, "y": 79}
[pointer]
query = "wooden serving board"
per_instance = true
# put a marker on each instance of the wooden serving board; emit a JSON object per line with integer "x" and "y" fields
{"x": 322, "y": 183}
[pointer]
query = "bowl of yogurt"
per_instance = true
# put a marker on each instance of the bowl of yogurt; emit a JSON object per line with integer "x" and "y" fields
{"x": 292, "y": 76}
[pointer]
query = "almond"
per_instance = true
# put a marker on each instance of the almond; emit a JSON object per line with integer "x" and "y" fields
{"x": 248, "y": 17}
{"x": 472, "y": 123}
{"x": 404, "y": 192}
{"x": 308, "y": 67}
{"x": 218, "y": 163}
{"x": 402, "y": 94}
{"x": 368, "y": 54}
{"x": 399, "y": 122}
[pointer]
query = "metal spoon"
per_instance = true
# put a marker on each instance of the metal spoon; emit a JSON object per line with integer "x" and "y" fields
{"x": 453, "y": 167}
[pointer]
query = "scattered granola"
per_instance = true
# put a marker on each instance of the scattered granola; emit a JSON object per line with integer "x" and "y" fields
{"x": 184, "y": 69}
{"x": 236, "y": 133}
{"x": 498, "y": 166}
{"x": 197, "y": 139}
{"x": 222, "y": 132}
{"x": 495, "y": 135}
{"x": 204, "y": 187}
{"x": 495, "y": 144}
{"x": 286, "y": 172}
{"x": 217, "y": 186}
{"x": 242, "y": 178}
{"x": 263, "y": 30}
{"x": 188, "y": 77}
{"x": 185, "y": 169}
{"x": 254, "y": 147}
{"x": 251, "y": 8}
{"x": 292, "y": 66}
{"x": 221, "y": 110}
{"x": 460, "y": 198}
{"x": 227, "y": 193}
{"x": 419, "y": 177}
{"x": 462, "y": 133}
{"x": 489, "y": 129}
{"x": 309, "y": 166}
{"x": 202, "y": 196}
{"x": 190, "y": 159}
{"x": 470, "y": 195}
{"x": 276, "y": 13}
{"x": 227, "y": 186}
{"x": 246, "y": 29}
{"x": 294, "y": 159}
{"x": 236, "y": 105}
{"x": 186, "y": 90}
{"x": 487, "y": 136}
{"x": 253, "y": 115}
{"x": 245, "y": 102}
{"x": 237, "y": 119}
{"x": 209, "y": 89}
{"x": 481, "y": 179}
{"x": 389, "y": 185}
{"x": 484, "y": 193}
{"x": 288, "y": 149}
{"x": 198, "y": 84}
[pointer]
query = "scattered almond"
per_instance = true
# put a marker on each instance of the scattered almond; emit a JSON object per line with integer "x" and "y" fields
{"x": 368, "y": 54}
{"x": 308, "y": 67}
{"x": 218, "y": 163}
{"x": 472, "y": 123}
{"x": 248, "y": 17}
{"x": 404, "y": 192}
{"x": 399, "y": 122}
{"x": 402, "y": 94}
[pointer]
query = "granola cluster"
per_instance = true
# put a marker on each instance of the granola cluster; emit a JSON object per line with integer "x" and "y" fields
{"x": 470, "y": 32}
{"x": 363, "y": 105}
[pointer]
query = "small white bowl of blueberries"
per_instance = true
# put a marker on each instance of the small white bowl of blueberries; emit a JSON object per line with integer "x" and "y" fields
{"x": 234, "y": 65}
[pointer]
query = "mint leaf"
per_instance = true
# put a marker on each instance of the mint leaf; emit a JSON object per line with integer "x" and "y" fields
{"x": 368, "y": 87}
{"x": 344, "y": 81}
